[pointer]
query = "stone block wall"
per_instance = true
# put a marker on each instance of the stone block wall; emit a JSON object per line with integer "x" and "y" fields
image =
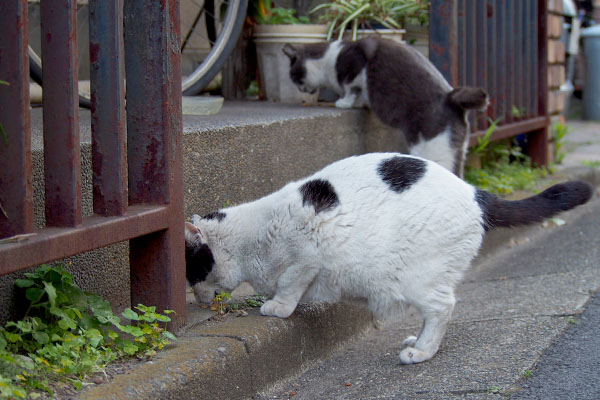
{"x": 556, "y": 58}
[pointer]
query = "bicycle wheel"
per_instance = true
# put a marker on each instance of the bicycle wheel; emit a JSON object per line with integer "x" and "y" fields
{"x": 207, "y": 46}
{"x": 208, "y": 39}
{"x": 35, "y": 59}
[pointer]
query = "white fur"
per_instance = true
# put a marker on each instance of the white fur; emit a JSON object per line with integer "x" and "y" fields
{"x": 377, "y": 246}
{"x": 438, "y": 149}
{"x": 321, "y": 72}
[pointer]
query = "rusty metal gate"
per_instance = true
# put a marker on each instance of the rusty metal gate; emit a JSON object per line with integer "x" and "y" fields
{"x": 136, "y": 157}
{"x": 500, "y": 45}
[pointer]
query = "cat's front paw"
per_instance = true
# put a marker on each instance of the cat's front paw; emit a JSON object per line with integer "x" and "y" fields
{"x": 411, "y": 355}
{"x": 276, "y": 309}
{"x": 344, "y": 103}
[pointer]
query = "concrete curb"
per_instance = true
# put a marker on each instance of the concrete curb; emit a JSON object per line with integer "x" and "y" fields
{"x": 234, "y": 358}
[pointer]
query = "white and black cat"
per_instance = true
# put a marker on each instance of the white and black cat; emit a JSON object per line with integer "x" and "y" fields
{"x": 400, "y": 85}
{"x": 381, "y": 229}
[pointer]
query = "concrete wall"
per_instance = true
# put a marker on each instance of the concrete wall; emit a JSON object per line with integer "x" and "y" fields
{"x": 246, "y": 151}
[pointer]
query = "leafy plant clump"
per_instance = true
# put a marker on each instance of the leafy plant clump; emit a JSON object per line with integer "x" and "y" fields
{"x": 504, "y": 168}
{"x": 366, "y": 14}
{"x": 67, "y": 334}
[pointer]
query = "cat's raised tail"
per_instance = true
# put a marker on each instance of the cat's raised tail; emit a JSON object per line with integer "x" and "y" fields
{"x": 561, "y": 197}
{"x": 469, "y": 98}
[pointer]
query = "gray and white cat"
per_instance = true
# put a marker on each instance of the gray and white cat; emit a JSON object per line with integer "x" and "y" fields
{"x": 381, "y": 229}
{"x": 400, "y": 85}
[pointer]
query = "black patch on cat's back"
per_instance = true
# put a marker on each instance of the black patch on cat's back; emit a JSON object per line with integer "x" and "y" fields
{"x": 400, "y": 173}
{"x": 199, "y": 261}
{"x": 350, "y": 62}
{"x": 218, "y": 215}
{"x": 320, "y": 194}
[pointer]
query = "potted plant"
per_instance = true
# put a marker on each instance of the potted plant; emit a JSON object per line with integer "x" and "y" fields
{"x": 273, "y": 28}
{"x": 354, "y": 19}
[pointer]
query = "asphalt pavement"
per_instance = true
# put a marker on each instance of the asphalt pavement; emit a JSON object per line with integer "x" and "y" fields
{"x": 570, "y": 369}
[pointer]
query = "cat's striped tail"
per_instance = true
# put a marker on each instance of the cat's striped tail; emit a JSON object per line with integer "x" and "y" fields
{"x": 564, "y": 196}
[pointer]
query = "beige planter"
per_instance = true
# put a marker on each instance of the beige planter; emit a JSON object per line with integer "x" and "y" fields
{"x": 274, "y": 65}
{"x": 394, "y": 34}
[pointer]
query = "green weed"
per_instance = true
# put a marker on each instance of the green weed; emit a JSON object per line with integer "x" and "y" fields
{"x": 504, "y": 169}
{"x": 559, "y": 131}
{"x": 68, "y": 334}
{"x": 591, "y": 163}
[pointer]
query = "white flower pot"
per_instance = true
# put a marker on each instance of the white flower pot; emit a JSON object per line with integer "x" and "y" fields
{"x": 274, "y": 65}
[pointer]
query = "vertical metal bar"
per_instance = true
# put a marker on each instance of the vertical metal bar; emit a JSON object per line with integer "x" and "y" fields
{"x": 534, "y": 58}
{"x": 509, "y": 61}
{"x": 442, "y": 38}
{"x": 519, "y": 58}
{"x": 62, "y": 168}
{"x": 538, "y": 147}
{"x": 526, "y": 57}
{"x": 471, "y": 34}
{"x": 461, "y": 39}
{"x": 16, "y": 198}
{"x": 471, "y": 51}
{"x": 109, "y": 155}
{"x": 154, "y": 143}
{"x": 481, "y": 55}
{"x": 500, "y": 97}
{"x": 492, "y": 28}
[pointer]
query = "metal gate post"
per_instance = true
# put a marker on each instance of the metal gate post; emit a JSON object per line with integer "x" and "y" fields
{"x": 16, "y": 194}
{"x": 154, "y": 148}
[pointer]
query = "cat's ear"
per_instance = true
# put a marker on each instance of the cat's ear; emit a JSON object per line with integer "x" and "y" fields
{"x": 193, "y": 235}
{"x": 290, "y": 51}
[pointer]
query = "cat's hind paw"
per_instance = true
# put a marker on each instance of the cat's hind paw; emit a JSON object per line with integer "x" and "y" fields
{"x": 412, "y": 355}
{"x": 409, "y": 341}
{"x": 276, "y": 309}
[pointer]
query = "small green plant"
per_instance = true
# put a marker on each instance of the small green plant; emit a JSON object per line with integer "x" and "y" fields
{"x": 67, "y": 334}
{"x": 221, "y": 300}
{"x": 265, "y": 13}
{"x": 228, "y": 204}
{"x": 518, "y": 112}
{"x": 222, "y": 303}
{"x": 255, "y": 301}
{"x": 484, "y": 141}
{"x": 572, "y": 320}
{"x": 591, "y": 163}
{"x": 559, "y": 131}
{"x": 252, "y": 90}
{"x": 527, "y": 373}
{"x": 494, "y": 389}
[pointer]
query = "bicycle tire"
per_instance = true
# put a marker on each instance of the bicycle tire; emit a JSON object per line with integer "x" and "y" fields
{"x": 222, "y": 48}
{"x": 203, "y": 73}
{"x": 35, "y": 72}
